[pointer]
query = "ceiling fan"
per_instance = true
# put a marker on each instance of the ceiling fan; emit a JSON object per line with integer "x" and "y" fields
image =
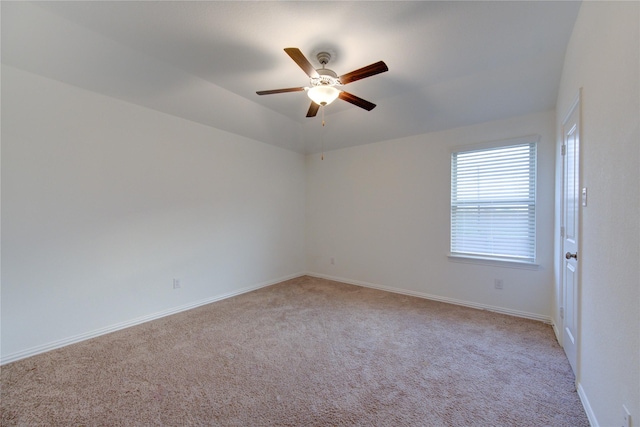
{"x": 323, "y": 81}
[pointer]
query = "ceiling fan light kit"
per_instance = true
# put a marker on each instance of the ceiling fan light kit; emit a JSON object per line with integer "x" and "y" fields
{"x": 323, "y": 81}
{"x": 323, "y": 95}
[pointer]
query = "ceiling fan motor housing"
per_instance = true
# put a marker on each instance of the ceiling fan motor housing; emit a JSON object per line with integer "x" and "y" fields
{"x": 326, "y": 77}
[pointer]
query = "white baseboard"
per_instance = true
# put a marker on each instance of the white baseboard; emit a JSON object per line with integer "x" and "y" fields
{"x": 587, "y": 406}
{"x": 556, "y": 331}
{"x": 143, "y": 319}
{"x": 502, "y": 310}
{"x": 137, "y": 321}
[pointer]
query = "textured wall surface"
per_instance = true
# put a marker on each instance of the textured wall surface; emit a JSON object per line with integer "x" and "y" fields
{"x": 603, "y": 59}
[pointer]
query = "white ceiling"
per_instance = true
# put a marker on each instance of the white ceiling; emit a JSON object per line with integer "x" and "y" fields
{"x": 450, "y": 63}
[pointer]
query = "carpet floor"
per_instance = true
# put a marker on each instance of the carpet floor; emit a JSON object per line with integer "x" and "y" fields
{"x": 305, "y": 352}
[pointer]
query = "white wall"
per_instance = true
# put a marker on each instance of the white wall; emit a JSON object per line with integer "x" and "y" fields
{"x": 105, "y": 202}
{"x": 603, "y": 59}
{"x": 382, "y": 212}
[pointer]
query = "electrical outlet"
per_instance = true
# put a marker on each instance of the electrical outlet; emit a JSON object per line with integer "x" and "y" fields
{"x": 332, "y": 261}
{"x": 498, "y": 284}
{"x": 626, "y": 417}
{"x": 176, "y": 284}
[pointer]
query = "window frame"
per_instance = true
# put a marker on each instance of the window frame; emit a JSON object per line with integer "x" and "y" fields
{"x": 504, "y": 261}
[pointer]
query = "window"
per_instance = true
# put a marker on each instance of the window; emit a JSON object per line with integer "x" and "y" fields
{"x": 493, "y": 201}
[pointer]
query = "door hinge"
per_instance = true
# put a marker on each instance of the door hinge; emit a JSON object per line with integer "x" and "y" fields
{"x": 562, "y": 312}
{"x": 562, "y": 231}
{"x": 564, "y": 149}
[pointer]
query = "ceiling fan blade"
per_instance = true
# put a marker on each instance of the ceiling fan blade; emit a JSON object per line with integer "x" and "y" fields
{"x": 362, "y": 103}
{"x": 271, "y": 92}
{"x": 361, "y": 73}
{"x": 302, "y": 61}
{"x": 313, "y": 109}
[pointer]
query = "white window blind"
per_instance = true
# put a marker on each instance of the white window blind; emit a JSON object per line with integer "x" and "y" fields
{"x": 493, "y": 206}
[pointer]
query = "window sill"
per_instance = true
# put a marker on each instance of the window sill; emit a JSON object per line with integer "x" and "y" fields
{"x": 469, "y": 259}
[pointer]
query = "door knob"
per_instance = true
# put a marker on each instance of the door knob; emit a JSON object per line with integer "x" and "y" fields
{"x": 569, "y": 255}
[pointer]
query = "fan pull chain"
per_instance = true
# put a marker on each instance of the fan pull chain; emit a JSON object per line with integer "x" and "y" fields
{"x": 322, "y": 134}
{"x": 322, "y": 144}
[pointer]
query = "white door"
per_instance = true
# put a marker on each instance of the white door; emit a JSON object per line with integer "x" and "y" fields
{"x": 570, "y": 233}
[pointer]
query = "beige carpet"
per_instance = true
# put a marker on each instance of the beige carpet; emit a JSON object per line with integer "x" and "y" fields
{"x": 306, "y": 352}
